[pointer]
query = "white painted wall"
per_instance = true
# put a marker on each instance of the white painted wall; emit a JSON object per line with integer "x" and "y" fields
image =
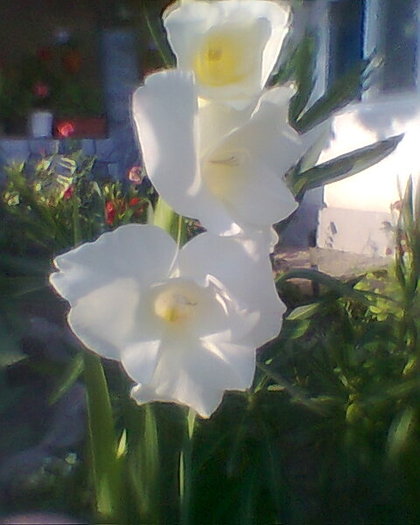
{"x": 357, "y": 213}
{"x": 371, "y": 192}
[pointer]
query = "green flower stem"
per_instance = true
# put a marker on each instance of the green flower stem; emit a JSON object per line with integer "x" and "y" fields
{"x": 297, "y": 394}
{"x": 165, "y": 217}
{"x": 149, "y": 466}
{"x": 186, "y": 471}
{"x": 174, "y": 224}
{"x": 77, "y": 233}
{"x": 181, "y": 237}
{"x": 103, "y": 446}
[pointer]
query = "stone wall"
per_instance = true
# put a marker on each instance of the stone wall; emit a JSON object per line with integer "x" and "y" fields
{"x": 114, "y": 155}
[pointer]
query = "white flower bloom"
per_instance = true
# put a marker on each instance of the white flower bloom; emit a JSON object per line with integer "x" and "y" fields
{"x": 184, "y": 323}
{"x": 214, "y": 163}
{"x": 230, "y": 45}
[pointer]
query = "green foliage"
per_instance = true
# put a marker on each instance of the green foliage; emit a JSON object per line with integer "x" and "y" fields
{"x": 354, "y": 351}
{"x": 46, "y": 206}
{"x": 341, "y": 167}
{"x": 305, "y": 114}
{"x": 158, "y": 38}
{"x": 51, "y": 201}
{"x": 330, "y": 428}
{"x": 345, "y": 90}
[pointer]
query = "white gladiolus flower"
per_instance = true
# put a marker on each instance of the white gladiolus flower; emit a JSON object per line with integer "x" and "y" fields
{"x": 230, "y": 45}
{"x": 211, "y": 162}
{"x": 185, "y": 323}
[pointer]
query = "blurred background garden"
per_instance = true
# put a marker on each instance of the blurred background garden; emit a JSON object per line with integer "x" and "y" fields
{"x": 330, "y": 433}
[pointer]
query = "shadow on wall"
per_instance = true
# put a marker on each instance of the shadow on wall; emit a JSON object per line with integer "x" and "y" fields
{"x": 361, "y": 124}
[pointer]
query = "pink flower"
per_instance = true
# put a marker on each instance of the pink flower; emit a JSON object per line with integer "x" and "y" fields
{"x": 135, "y": 174}
{"x": 69, "y": 192}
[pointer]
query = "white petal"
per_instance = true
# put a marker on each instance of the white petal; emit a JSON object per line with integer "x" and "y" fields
{"x": 142, "y": 252}
{"x": 216, "y": 120}
{"x": 245, "y": 170}
{"x": 106, "y": 282}
{"x": 224, "y": 197}
{"x": 258, "y": 241}
{"x": 196, "y": 373}
{"x": 246, "y": 34}
{"x": 140, "y": 358}
{"x": 253, "y": 195}
{"x": 165, "y": 112}
{"x": 105, "y": 319}
{"x": 248, "y": 279}
{"x": 268, "y": 134}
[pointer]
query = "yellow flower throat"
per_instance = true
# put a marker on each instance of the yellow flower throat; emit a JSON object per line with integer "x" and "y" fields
{"x": 173, "y": 306}
{"x": 220, "y": 59}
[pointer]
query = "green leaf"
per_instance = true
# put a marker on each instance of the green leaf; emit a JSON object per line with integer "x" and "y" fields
{"x": 401, "y": 431}
{"x": 346, "y": 89}
{"x": 70, "y": 376}
{"x": 299, "y": 68}
{"x": 343, "y": 166}
{"x": 143, "y": 461}
{"x": 186, "y": 477}
{"x": 295, "y": 329}
{"x": 303, "y": 312}
{"x": 304, "y": 77}
{"x": 151, "y": 448}
{"x": 272, "y": 473}
{"x": 156, "y": 31}
{"x": 297, "y": 394}
{"x": 10, "y": 352}
{"x": 106, "y": 469}
{"x": 23, "y": 264}
{"x": 22, "y": 285}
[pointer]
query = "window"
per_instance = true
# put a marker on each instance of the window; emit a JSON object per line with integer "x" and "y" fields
{"x": 346, "y": 36}
{"x": 386, "y": 29}
{"x": 399, "y": 34}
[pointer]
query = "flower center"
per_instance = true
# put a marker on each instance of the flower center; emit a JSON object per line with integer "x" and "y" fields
{"x": 173, "y": 307}
{"x": 176, "y": 302}
{"x": 182, "y": 305}
{"x": 221, "y": 59}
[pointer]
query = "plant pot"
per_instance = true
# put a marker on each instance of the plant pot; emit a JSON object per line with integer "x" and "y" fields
{"x": 80, "y": 127}
{"x": 40, "y": 124}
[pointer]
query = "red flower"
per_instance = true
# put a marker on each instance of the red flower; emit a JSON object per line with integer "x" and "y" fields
{"x": 133, "y": 202}
{"x": 69, "y": 192}
{"x": 139, "y": 206}
{"x": 65, "y": 129}
{"x": 110, "y": 212}
{"x": 41, "y": 90}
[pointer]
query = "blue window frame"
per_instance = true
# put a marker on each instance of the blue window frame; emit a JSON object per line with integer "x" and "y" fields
{"x": 396, "y": 32}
